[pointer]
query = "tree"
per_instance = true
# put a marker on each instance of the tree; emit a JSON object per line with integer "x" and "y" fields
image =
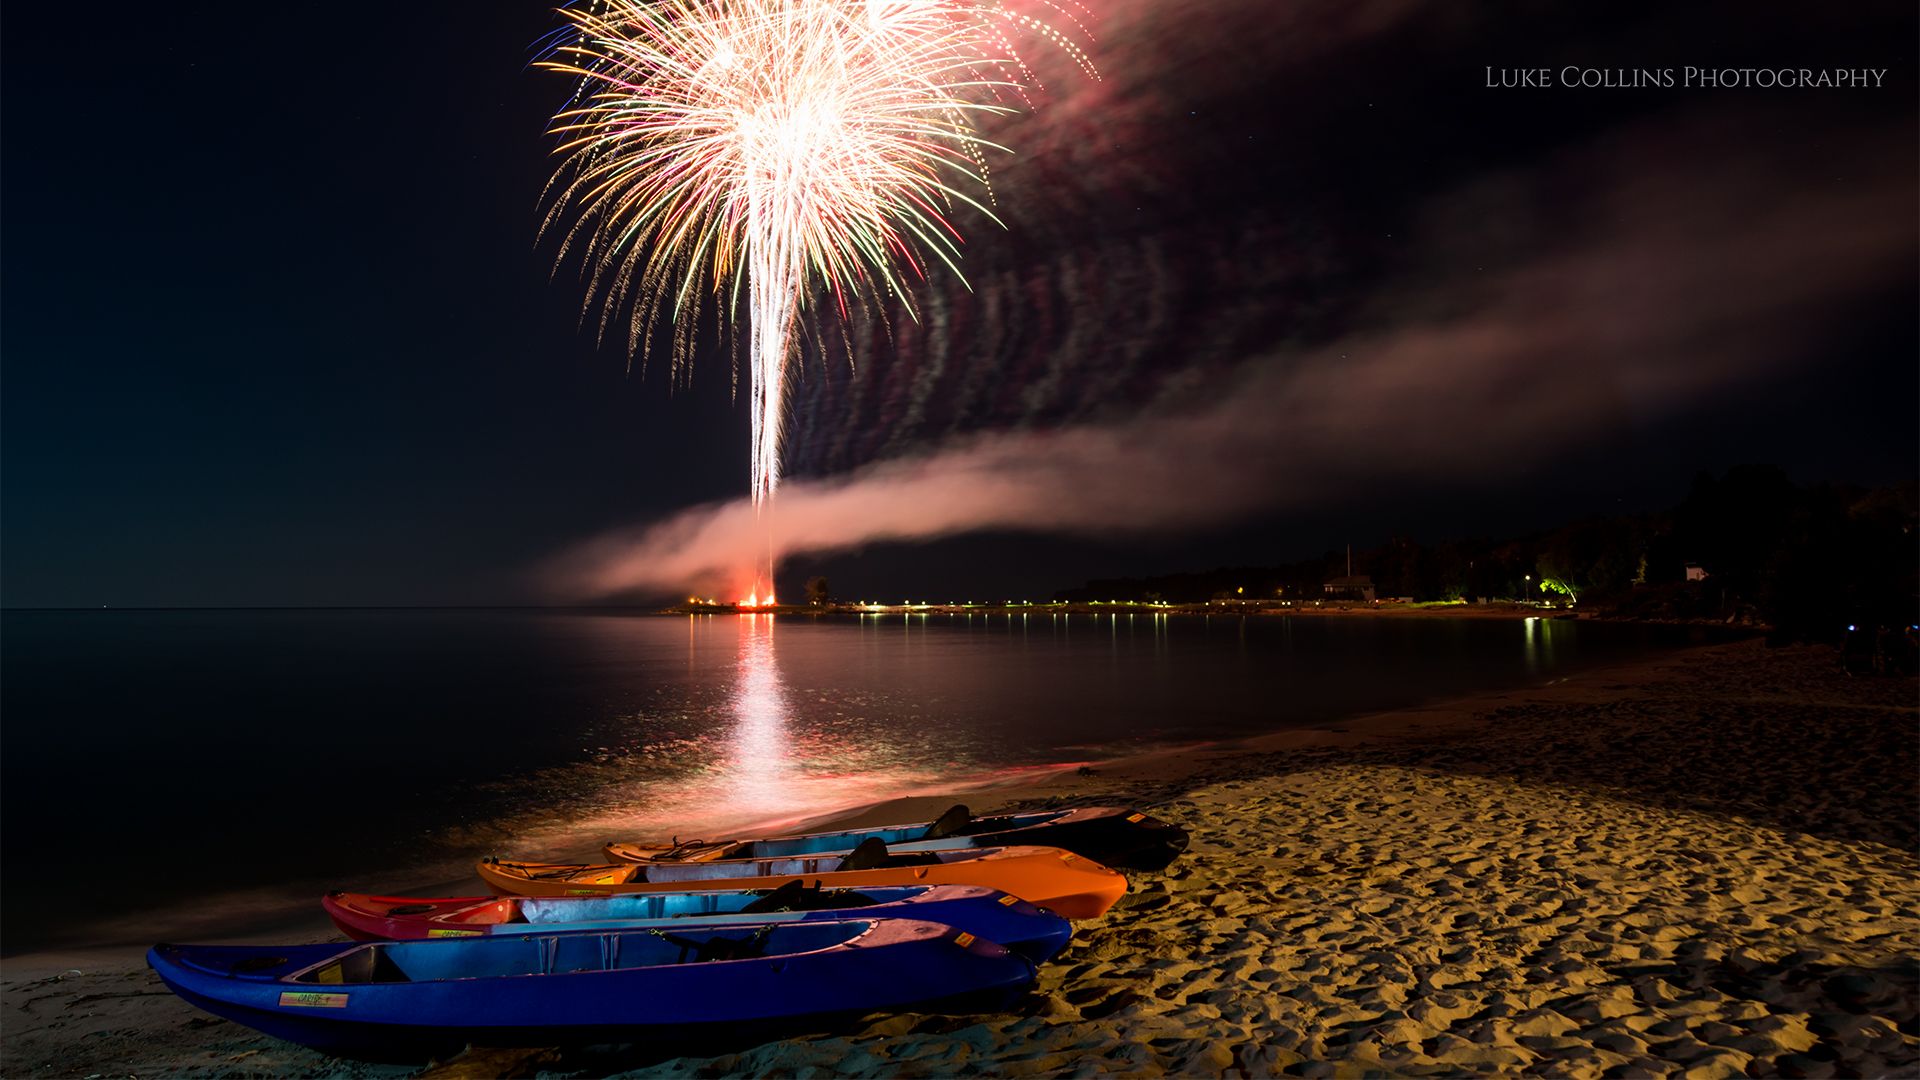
{"x": 817, "y": 593}
{"x": 1559, "y": 571}
{"x": 1598, "y": 554}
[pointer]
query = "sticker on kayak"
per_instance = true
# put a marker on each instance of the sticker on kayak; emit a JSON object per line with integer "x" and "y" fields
{"x": 963, "y": 939}
{"x": 311, "y": 1000}
{"x": 1136, "y": 818}
{"x": 583, "y": 892}
{"x": 438, "y": 932}
{"x": 1009, "y": 900}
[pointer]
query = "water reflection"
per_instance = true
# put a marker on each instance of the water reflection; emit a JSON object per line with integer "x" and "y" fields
{"x": 756, "y": 720}
{"x": 754, "y": 740}
{"x": 762, "y": 766}
{"x": 588, "y": 727}
{"x": 1537, "y": 636}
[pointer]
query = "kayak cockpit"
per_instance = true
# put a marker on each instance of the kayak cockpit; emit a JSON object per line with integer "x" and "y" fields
{"x": 871, "y": 855}
{"x": 793, "y": 896}
{"x": 561, "y": 954}
{"x": 950, "y": 830}
{"x": 821, "y": 844}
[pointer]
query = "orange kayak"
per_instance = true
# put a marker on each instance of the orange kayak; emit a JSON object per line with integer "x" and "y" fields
{"x": 1072, "y": 885}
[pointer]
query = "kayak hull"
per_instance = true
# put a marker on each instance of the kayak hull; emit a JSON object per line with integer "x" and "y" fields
{"x": 1065, "y": 883}
{"x": 398, "y": 1045}
{"x": 1024, "y": 928}
{"x": 411, "y": 1001}
{"x": 1114, "y": 836}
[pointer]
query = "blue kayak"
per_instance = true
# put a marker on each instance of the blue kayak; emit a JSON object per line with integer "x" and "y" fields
{"x": 695, "y": 987}
{"x": 1031, "y": 931}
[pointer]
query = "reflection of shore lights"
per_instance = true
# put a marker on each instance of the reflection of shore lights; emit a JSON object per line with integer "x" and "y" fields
{"x": 762, "y": 759}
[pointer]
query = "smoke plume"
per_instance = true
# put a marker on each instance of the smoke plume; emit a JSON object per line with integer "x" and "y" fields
{"x": 1660, "y": 300}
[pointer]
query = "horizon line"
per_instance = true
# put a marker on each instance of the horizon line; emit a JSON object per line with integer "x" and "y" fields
{"x": 330, "y": 607}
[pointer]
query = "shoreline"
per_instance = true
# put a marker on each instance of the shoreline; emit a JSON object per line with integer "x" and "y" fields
{"x": 1516, "y": 609}
{"x": 1736, "y": 893}
{"x": 990, "y": 791}
{"x": 1384, "y": 609}
{"x": 287, "y": 909}
{"x": 1186, "y": 762}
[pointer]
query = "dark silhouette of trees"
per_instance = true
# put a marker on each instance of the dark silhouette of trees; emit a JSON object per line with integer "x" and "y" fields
{"x": 1809, "y": 561}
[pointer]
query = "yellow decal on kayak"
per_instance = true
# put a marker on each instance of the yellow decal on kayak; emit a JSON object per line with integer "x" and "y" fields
{"x": 1009, "y": 900}
{"x": 583, "y": 892}
{"x": 439, "y": 932}
{"x": 1136, "y": 818}
{"x": 963, "y": 939}
{"x": 311, "y": 1000}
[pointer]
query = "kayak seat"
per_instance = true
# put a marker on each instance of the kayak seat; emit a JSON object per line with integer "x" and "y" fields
{"x": 834, "y": 899}
{"x": 796, "y": 895}
{"x": 787, "y": 897}
{"x": 720, "y": 947}
{"x": 948, "y": 824}
{"x": 872, "y": 854}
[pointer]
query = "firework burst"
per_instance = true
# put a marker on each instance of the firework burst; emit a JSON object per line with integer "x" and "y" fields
{"x": 810, "y": 143}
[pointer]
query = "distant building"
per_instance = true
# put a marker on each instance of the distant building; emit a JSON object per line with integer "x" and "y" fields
{"x": 1351, "y": 587}
{"x": 1694, "y": 572}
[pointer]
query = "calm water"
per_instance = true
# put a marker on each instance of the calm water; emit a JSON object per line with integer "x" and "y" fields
{"x": 250, "y": 759}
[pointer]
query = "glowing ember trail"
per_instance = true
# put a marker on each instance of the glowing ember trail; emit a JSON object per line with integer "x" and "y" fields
{"x": 814, "y": 142}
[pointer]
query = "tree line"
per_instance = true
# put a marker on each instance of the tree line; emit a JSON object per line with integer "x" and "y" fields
{"x": 1807, "y": 561}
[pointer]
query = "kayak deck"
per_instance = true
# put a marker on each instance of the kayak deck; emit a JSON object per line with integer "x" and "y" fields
{"x": 1072, "y": 886}
{"x": 1114, "y": 835}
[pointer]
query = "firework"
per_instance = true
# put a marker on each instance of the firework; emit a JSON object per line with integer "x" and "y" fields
{"x": 820, "y": 146}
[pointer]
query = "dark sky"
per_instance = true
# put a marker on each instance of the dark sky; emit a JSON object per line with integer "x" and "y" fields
{"x": 276, "y": 330}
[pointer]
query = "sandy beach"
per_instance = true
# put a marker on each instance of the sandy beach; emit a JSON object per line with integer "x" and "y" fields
{"x": 1702, "y": 864}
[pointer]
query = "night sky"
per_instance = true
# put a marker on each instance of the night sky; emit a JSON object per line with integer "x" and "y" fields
{"x": 277, "y": 331}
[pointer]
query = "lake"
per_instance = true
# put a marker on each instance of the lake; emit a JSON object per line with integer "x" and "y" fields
{"x": 243, "y": 761}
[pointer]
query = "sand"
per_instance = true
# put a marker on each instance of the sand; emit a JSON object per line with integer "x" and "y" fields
{"x": 1703, "y": 864}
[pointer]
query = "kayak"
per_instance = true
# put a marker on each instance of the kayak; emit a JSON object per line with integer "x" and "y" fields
{"x": 1033, "y": 933}
{"x": 413, "y": 1000}
{"x": 1115, "y": 835}
{"x": 1068, "y": 884}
